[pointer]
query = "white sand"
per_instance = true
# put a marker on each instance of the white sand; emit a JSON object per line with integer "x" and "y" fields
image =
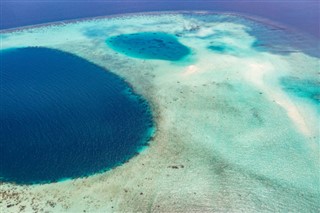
{"x": 228, "y": 137}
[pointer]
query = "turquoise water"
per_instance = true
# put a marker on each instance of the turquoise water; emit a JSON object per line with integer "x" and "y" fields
{"x": 149, "y": 45}
{"x": 63, "y": 117}
{"x": 304, "y": 88}
{"x": 221, "y": 48}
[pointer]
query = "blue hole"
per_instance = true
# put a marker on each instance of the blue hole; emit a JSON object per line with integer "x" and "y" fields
{"x": 63, "y": 117}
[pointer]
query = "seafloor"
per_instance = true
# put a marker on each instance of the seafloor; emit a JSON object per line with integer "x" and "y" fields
{"x": 237, "y": 123}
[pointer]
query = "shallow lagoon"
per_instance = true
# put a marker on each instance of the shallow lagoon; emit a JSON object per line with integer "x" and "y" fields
{"x": 149, "y": 45}
{"x": 304, "y": 88}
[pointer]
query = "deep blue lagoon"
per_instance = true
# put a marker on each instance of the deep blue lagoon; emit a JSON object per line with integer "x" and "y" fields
{"x": 64, "y": 117}
{"x": 149, "y": 45}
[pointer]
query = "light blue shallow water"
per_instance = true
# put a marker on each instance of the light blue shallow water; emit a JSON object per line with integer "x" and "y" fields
{"x": 64, "y": 117}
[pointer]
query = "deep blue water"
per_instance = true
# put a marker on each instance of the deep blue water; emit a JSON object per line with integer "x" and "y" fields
{"x": 64, "y": 117}
{"x": 277, "y": 41}
{"x": 302, "y": 15}
{"x": 304, "y": 88}
{"x": 149, "y": 45}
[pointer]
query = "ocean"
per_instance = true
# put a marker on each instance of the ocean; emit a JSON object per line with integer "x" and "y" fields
{"x": 301, "y": 15}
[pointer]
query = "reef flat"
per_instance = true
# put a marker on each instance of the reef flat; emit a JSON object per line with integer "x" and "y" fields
{"x": 237, "y": 118}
